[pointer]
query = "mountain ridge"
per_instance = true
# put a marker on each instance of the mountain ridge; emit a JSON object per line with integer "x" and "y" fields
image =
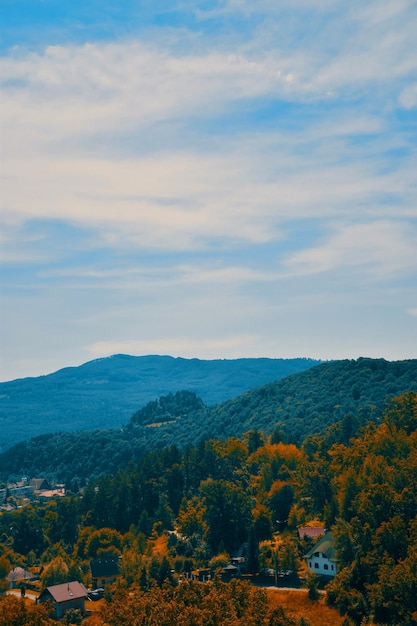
{"x": 344, "y": 395}
{"x": 105, "y": 392}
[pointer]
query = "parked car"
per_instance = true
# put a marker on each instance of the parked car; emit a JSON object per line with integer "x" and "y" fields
{"x": 96, "y": 594}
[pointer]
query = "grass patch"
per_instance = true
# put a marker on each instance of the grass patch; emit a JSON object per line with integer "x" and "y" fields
{"x": 296, "y": 604}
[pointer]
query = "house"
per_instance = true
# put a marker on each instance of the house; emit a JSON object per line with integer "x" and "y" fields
{"x": 321, "y": 558}
{"x": 104, "y": 571}
{"x": 45, "y": 491}
{"x": 312, "y": 532}
{"x": 40, "y": 484}
{"x": 229, "y": 572}
{"x": 19, "y": 575}
{"x": 20, "y": 489}
{"x": 202, "y": 575}
{"x": 66, "y": 596}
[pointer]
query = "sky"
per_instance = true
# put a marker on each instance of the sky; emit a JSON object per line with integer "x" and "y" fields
{"x": 207, "y": 179}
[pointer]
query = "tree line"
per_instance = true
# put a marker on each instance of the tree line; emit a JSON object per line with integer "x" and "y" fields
{"x": 177, "y": 510}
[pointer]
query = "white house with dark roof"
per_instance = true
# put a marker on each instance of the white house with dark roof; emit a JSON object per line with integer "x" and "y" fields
{"x": 321, "y": 558}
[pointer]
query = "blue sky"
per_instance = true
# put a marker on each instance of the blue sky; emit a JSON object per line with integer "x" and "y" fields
{"x": 207, "y": 179}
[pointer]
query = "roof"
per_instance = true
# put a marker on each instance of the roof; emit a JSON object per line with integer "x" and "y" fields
{"x": 326, "y": 545}
{"x": 104, "y": 567}
{"x": 51, "y": 493}
{"x": 311, "y": 531}
{"x": 18, "y": 573}
{"x": 67, "y": 591}
{"x": 39, "y": 483}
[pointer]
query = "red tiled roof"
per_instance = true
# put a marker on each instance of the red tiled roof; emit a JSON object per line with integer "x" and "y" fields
{"x": 67, "y": 591}
{"x": 311, "y": 532}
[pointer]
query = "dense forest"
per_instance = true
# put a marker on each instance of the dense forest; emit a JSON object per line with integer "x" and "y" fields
{"x": 176, "y": 510}
{"x": 292, "y": 408}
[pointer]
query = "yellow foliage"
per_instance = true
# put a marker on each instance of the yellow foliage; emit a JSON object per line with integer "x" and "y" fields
{"x": 160, "y": 546}
{"x": 287, "y": 452}
{"x": 296, "y": 604}
{"x": 276, "y": 486}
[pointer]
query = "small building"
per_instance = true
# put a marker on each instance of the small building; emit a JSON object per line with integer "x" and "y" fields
{"x": 229, "y": 572}
{"x": 322, "y": 558}
{"x": 202, "y": 575}
{"x": 18, "y": 575}
{"x": 21, "y": 490}
{"x": 66, "y": 596}
{"x": 104, "y": 571}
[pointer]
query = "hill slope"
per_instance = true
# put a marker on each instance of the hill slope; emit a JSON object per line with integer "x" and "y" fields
{"x": 104, "y": 393}
{"x": 299, "y": 405}
{"x": 309, "y": 402}
{"x": 302, "y": 404}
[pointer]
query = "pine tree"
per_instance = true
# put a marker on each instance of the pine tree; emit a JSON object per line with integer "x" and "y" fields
{"x": 253, "y": 552}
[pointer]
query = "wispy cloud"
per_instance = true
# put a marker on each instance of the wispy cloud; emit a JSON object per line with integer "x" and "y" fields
{"x": 382, "y": 249}
{"x": 177, "y": 346}
{"x": 67, "y": 113}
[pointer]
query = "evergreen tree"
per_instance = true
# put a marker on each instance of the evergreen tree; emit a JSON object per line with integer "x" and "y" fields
{"x": 252, "y": 562}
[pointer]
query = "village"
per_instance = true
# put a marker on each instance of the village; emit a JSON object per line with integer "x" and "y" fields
{"x": 85, "y": 596}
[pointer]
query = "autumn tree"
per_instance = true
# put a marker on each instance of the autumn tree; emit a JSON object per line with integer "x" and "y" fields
{"x": 16, "y": 612}
{"x": 55, "y": 573}
{"x": 5, "y": 568}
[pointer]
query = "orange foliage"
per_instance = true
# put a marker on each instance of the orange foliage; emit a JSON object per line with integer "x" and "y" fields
{"x": 286, "y": 452}
{"x": 93, "y": 620}
{"x": 277, "y": 485}
{"x": 22, "y": 612}
{"x": 209, "y": 600}
{"x": 160, "y": 546}
{"x": 296, "y": 604}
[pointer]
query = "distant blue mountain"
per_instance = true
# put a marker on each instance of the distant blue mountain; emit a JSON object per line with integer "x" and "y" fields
{"x": 104, "y": 393}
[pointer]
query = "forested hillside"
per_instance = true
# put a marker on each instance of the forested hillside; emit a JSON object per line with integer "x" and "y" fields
{"x": 104, "y": 393}
{"x": 312, "y": 400}
{"x": 302, "y": 404}
{"x": 177, "y": 511}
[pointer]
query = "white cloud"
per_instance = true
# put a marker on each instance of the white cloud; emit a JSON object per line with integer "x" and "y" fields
{"x": 145, "y": 278}
{"x": 74, "y": 121}
{"x": 235, "y": 190}
{"x": 382, "y": 249}
{"x": 408, "y": 97}
{"x": 111, "y": 88}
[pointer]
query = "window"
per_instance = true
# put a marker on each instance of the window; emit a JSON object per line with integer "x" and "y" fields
{"x": 333, "y": 567}
{"x": 316, "y": 565}
{"x": 326, "y": 566}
